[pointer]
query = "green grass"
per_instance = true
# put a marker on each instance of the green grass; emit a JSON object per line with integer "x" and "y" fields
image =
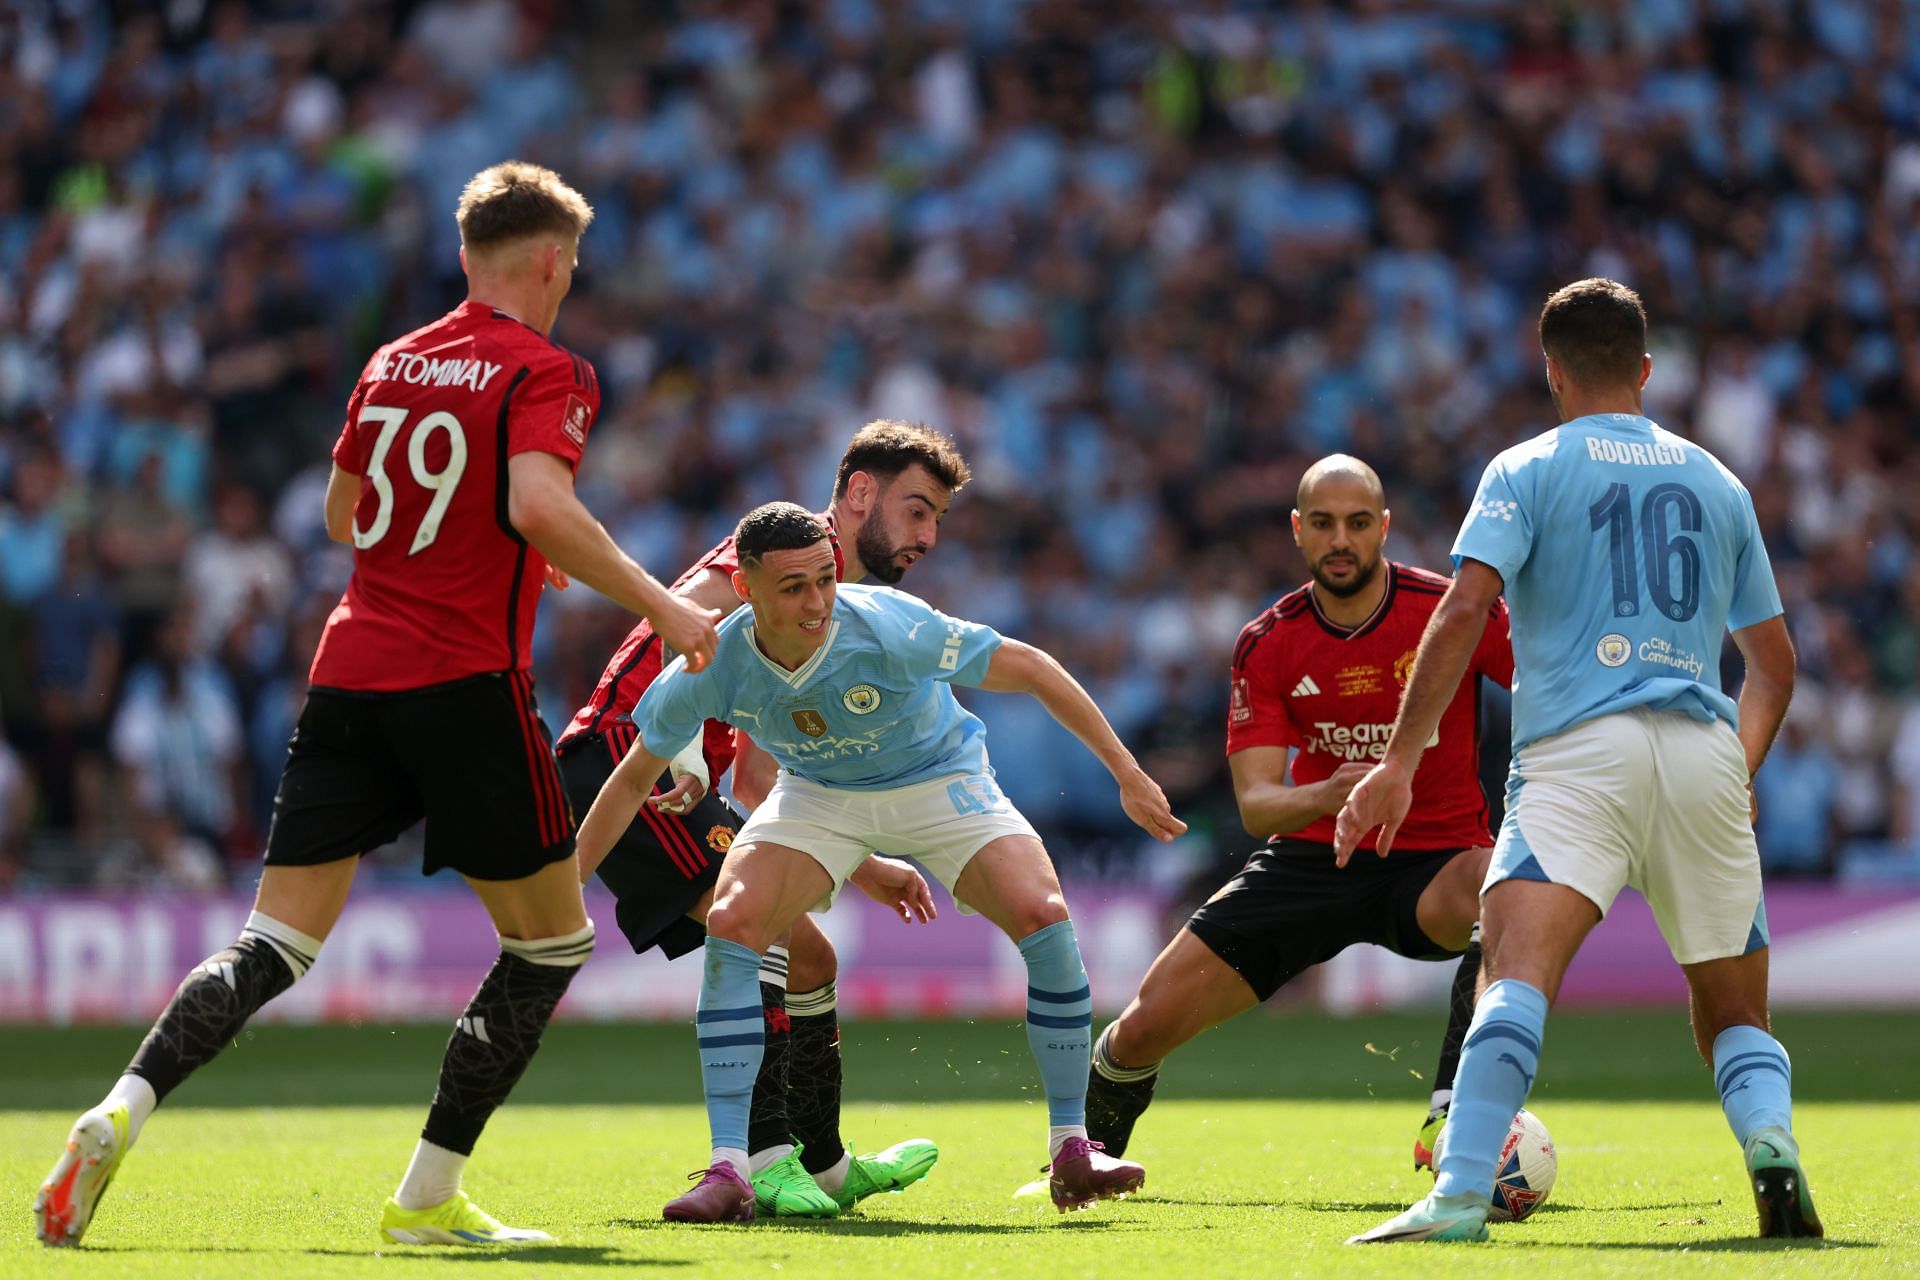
{"x": 1274, "y": 1140}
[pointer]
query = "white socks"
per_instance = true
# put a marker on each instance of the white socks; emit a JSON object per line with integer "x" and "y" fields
{"x": 137, "y": 1096}
{"x": 737, "y": 1158}
{"x": 764, "y": 1160}
{"x": 831, "y": 1180}
{"x": 433, "y": 1177}
{"x": 1058, "y": 1134}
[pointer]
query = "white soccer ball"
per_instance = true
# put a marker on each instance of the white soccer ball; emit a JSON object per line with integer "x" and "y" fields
{"x": 1524, "y": 1172}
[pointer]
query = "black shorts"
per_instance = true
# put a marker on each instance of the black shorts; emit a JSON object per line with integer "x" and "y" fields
{"x": 1291, "y": 908}
{"x": 665, "y": 862}
{"x": 471, "y": 757}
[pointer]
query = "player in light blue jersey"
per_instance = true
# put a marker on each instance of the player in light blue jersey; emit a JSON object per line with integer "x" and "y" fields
{"x": 1626, "y": 553}
{"x": 848, "y": 689}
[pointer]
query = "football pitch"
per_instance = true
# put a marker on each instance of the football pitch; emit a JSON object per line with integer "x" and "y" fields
{"x": 1275, "y": 1138}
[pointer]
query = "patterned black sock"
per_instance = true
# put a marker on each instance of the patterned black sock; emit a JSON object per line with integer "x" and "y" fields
{"x": 1466, "y": 981}
{"x": 208, "y": 1009}
{"x": 497, "y": 1036}
{"x": 767, "y": 1124}
{"x": 813, "y": 1081}
{"x": 1117, "y": 1096}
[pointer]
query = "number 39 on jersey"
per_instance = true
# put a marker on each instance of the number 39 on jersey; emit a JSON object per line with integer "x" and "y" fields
{"x": 441, "y": 482}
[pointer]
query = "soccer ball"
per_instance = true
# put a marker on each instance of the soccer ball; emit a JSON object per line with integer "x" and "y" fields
{"x": 1524, "y": 1172}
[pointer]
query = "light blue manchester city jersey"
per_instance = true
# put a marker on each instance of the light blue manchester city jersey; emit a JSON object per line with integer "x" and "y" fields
{"x": 872, "y": 708}
{"x": 1627, "y": 553}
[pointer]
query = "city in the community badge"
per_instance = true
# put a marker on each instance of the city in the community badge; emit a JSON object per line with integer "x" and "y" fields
{"x": 810, "y": 722}
{"x": 862, "y": 699}
{"x": 1613, "y": 650}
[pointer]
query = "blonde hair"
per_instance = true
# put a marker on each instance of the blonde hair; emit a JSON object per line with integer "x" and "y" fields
{"x": 515, "y": 199}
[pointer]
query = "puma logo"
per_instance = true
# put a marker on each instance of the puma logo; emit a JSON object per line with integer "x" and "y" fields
{"x": 740, "y": 714}
{"x": 914, "y": 630}
{"x": 1525, "y": 1075}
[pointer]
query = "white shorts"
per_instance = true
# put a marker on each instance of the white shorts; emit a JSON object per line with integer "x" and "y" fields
{"x": 1651, "y": 799}
{"x": 940, "y": 823}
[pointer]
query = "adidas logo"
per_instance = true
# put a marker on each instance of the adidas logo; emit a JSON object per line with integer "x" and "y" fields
{"x": 1306, "y": 688}
{"x": 221, "y": 969}
{"x": 475, "y": 1027}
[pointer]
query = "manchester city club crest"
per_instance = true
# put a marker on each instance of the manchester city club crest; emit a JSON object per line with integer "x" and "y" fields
{"x": 862, "y": 699}
{"x": 810, "y": 722}
{"x": 1613, "y": 649}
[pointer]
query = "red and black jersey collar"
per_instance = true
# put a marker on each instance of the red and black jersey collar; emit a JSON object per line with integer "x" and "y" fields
{"x": 1374, "y": 619}
{"x": 833, "y": 536}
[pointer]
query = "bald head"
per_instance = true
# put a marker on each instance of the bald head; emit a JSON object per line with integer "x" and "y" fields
{"x": 1345, "y": 471}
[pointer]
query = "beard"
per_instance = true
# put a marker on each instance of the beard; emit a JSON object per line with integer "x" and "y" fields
{"x": 879, "y": 556}
{"x": 1363, "y": 573}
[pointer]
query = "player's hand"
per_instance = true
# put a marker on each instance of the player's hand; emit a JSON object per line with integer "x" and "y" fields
{"x": 1381, "y": 800}
{"x": 1147, "y": 805}
{"x": 557, "y": 577}
{"x": 897, "y": 887}
{"x": 1335, "y": 789}
{"x": 687, "y": 629}
{"x": 685, "y": 793}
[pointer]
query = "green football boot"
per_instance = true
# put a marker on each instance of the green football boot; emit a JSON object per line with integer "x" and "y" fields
{"x": 1780, "y": 1190}
{"x": 895, "y": 1169}
{"x": 784, "y": 1189}
{"x": 1437, "y": 1217}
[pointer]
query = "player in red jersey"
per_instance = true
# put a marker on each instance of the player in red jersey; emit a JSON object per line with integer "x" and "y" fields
{"x": 894, "y": 484}
{"x": 1321, "y": 672}
{"x": 453, "y": 480}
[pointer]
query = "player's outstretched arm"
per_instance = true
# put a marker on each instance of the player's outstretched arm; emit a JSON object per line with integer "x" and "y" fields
{"x": 1021, "y": 668}
{"x": 542, "y": 506}
{"x": 614, "y": 808}
{"x": 1382, "y": 798}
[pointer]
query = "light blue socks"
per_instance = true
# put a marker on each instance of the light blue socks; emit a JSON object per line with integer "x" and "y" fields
{"x": 1497, "y": 1067}
{"x": 733, "y": 1039}
{"x": 1755, "y": 1080}
{"x": 1059, "y": 1019}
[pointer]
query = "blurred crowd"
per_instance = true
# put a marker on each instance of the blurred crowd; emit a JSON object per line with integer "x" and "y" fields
{"x": 1143, "y": 260}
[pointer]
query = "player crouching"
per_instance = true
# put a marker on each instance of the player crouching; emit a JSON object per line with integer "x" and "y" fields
{"x": 848, "y": 689}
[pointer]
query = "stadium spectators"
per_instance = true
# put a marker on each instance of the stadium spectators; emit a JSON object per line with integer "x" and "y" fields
{"x": 1145, "y": 261}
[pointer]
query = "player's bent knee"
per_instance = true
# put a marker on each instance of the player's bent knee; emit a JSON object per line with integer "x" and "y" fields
{"x": 730, "y": 920}
{"x": 1043, "y": 912}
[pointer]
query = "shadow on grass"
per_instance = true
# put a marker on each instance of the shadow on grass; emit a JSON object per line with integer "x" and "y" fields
{"x": 1726, "y": 1244}
{"x": 580, "y": 1254}
{"x": 887, "y": 1228}
{"x": 1316, "y": 1206}
{"x": 596, "y": 1255}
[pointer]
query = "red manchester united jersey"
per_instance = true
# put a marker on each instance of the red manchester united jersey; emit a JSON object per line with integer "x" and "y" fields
{"x": 1301, "y": 681}
{"x": 443, "y": 587}
{"x": 637, "y": 661}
